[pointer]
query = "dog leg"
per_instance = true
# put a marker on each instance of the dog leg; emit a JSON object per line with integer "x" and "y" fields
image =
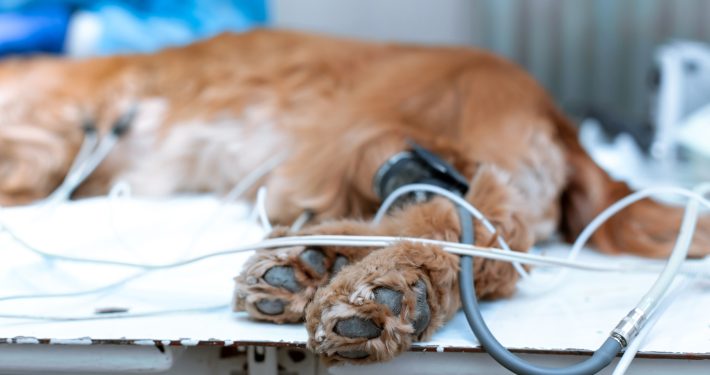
{"x": 374, "y": 309}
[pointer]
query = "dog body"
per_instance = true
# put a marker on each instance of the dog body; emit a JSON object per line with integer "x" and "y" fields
{"x": 336, "y": 110}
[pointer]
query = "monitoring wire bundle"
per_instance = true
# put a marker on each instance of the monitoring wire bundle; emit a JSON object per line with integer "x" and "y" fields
{"x": 90, "y": 156}
{"x": 91, "y": 153}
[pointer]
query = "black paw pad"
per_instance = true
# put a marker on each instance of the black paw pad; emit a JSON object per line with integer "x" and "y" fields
{"x": 283, "y": 277}
{"x": 390, "y": 298}
{"x": 270, "y": 306}
{"x": 422, "y": 312}
{"x": 340, "y": 262}
{"x": 357, "y": 328}
{"x": 314, "y": 259}
{"x": 354, "y": 354}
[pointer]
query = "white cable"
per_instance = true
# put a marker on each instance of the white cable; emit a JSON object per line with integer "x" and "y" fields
{"x": 81, "y": 171}
{"x": 322, "y": 240}
{"x": 456, "y": 199}
{"x": 73, "y": 180}
{"x": 366, "y": 241}
{"x": 371, "y": 241}
{"x": 680, "y": 252}
{"x": 237, "y": 192}
{"x": 261, "y": 209}
{"x": 649, "y": 303}
{"x": 633, "y": 348}
{"x": 121, "y": 315}
{"x": 301, "y": 220}
{"x": 254, "y": 176}
{"x": 610, "y": 211}
{"x": 87, "y": 147}
{"x": 354, "y": 241}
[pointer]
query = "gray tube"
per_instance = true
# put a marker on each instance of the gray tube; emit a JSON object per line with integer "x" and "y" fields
{"x": 600, "y": 359}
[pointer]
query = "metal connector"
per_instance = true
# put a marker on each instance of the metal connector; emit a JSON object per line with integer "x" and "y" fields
{"x": 629, "y": 327}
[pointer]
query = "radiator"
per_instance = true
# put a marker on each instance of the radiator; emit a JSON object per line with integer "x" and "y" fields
{"x": 590, "y": 54}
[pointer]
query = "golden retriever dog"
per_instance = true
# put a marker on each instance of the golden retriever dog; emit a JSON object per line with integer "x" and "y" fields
{"x": 209, "y": 113}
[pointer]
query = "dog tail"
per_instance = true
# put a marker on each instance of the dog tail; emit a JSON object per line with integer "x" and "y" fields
{"x": 646, "y": 228}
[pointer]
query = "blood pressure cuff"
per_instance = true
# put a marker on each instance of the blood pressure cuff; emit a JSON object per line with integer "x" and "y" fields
{"x": 417, "y": 166}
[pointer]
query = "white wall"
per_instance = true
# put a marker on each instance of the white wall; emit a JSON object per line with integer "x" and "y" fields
{"x": 419, "y": 21}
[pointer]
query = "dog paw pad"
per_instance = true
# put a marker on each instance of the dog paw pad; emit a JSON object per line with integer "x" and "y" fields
{"x": 357, "y": 328}
{"x": 314, "y": 259}
{"x": 283, "y": 277}
{"x": 390, "y": 298}
{"x": 340, "y": 262}
{"x": 270, "y": 306}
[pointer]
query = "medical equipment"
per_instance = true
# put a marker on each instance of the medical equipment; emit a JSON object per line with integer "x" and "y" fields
{"x": 91, "y": 153}
{"x": 460, "y": 249}
{"x": 682, "y": 83}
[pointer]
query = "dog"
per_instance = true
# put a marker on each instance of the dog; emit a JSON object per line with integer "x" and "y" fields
{"x": 207, "y": 114}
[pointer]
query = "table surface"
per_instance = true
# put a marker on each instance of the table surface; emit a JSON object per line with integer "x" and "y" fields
{"x": 575, "y": 316}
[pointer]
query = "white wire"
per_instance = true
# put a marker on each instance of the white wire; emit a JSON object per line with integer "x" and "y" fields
{"x": 633, "y": 348}
{"x": 374, "y": 241}
{"x": 237, "y": 192}
{"x": 612, "y": 210}
{"x": 74, "y": 179}
{"x": 261, "y": 209}
{"x": 301, "y": 220}
{"x": 649, "y": 304}
{"x": 365, "y": 241}
{"x": 87, "y": 146}
{"x": 121, "y": 315}
{"x": 456, "y": 199}
{"x": 355, "y": 241}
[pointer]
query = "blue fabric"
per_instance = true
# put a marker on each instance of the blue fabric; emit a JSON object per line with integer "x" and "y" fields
{"x": 127, "y": 25}
{"x": 147, "y": 26}
{"x": 39, "y": 28}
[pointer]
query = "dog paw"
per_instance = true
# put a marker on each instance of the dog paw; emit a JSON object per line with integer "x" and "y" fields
{"x": 376, "y": 308}
{"x": 275, "y": 285}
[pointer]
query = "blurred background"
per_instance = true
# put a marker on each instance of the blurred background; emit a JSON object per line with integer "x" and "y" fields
{"x": 637, "y": 67}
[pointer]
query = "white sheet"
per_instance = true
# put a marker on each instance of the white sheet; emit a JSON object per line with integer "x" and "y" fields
{"x": 576, "y": 316}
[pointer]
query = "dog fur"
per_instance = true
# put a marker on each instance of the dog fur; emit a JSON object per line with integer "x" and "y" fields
{"x": 337, "y": 109}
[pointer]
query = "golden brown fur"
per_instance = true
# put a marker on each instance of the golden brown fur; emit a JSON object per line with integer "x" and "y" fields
{"x": 337, "y": 109}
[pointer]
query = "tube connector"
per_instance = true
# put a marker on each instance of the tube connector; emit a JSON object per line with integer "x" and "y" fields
{"x": 629, "y": 327}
